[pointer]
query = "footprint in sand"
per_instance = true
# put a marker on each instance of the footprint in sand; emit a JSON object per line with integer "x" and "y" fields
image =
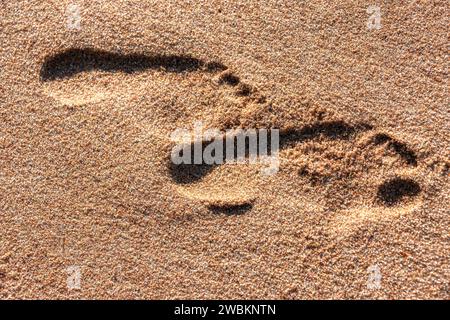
{"x": 326, "y": 155}
{"x": 79, "y": 76}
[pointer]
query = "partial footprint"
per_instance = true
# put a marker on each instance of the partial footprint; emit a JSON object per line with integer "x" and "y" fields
{"x": 80, "y": 76}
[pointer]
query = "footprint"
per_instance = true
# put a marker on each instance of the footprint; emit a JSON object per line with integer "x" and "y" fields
{"x": 332, "y": 156}
{"x": 78, "y": 77}
{"x": 327, "y": 155}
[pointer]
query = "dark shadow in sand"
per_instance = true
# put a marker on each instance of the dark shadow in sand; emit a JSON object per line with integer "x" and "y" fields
{"x": 332, "y": 130}
{"x": 68, "y": 63}
{"x": 231, "y": 210}
{"x": 394, "y": 191}
{"x": 398, "y": 147}
{"x": 189, "y": 173}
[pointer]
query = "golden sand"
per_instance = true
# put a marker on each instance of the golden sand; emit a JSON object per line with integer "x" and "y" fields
{"x": 86, "y": 182}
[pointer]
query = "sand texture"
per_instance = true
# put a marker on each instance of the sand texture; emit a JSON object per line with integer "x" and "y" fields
{"x": 91, "y": 205}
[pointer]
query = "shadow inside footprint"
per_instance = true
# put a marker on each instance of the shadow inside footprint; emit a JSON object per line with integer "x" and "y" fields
{"x": 333, "y": 130}
{"x": 68, "y": 63}
{"x": 230, "y": 210}
{"x": 398, "y": 147}
{"x": 394, "y": 191}
{"x": 188, "y": 173}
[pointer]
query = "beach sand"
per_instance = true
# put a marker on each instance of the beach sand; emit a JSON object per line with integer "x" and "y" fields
{"x": 92, "y": 207}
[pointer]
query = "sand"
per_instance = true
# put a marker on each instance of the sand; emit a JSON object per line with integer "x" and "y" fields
{"x": 91, "y": 206}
